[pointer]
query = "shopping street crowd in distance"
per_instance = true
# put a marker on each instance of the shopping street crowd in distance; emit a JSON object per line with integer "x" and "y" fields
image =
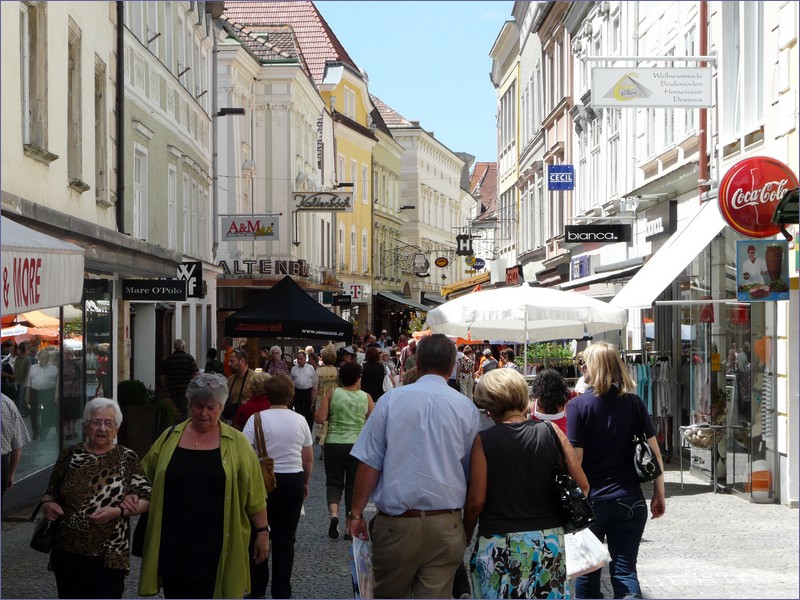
{"x": 460, "y": 480}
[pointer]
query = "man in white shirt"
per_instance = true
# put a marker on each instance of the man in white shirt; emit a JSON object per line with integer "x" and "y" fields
{"x": 753, "y": 269}
{"x": 306, "y": 383}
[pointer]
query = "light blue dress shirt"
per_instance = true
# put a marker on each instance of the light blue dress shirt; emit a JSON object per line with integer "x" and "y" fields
{"x": 419, "y": 437}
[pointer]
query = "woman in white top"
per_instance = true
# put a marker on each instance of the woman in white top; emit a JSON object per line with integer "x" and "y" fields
{"x": 288, "y": 442}
{"x": 40, "y": 388}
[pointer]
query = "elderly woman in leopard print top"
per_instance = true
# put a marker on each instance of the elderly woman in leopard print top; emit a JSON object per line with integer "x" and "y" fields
{"x": 102, "y": 485}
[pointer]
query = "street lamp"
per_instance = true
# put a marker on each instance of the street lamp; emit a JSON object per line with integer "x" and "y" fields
{"x": 224, "y": 112}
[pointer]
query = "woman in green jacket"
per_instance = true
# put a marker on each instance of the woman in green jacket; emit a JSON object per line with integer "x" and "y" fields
{"x": 207, "y": 492}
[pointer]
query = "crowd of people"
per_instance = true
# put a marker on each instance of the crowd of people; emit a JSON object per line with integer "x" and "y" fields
{"x": 212, "y": 530}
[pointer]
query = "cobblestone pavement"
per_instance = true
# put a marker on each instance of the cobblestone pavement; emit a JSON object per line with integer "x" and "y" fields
{"x": 706, "y": 546}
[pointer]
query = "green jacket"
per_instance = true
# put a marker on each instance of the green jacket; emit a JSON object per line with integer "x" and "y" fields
{"x": 244, "y": 495}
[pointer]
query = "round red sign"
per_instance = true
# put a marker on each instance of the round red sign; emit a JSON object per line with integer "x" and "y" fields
{"x": 749, "y": 193}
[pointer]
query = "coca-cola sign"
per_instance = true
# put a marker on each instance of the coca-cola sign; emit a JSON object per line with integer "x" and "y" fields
{"x": 750, "y": 192}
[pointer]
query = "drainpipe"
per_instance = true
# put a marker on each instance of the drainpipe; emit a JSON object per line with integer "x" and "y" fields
{"x": 703, "y": 185}
{"x": 214, "y": 144}
{"x": 120, "y": 120}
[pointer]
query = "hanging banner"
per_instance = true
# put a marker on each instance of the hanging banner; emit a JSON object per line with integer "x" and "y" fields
{"x": 632, "y": 87}
{"x": 249, "y": 228}
{"x": 762, "y": 271}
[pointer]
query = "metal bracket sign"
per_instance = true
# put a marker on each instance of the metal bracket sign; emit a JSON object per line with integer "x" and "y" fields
{"x": 154, "y": 290}
{"x": 631, "y": 87}
{"x": 560, "y": 178}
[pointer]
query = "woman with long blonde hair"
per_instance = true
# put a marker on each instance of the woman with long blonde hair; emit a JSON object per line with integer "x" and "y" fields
{"x": 600, "y": 425}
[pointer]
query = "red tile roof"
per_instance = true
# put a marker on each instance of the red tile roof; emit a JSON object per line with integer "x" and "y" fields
{"x": 483, "y": 185}
{"x": 391, "y": 117}
{"x": 317, "y": 41}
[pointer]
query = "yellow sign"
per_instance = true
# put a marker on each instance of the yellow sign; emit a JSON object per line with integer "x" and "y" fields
{"x": 715, "y": 361}
{"x": 470, "y": 260}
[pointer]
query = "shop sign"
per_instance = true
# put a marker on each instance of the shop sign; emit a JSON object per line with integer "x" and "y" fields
{"x": 514, "y": 275}
{"x": 762, "y": 270}
{"x": 441, "y": 262}
{"x": 420, "y": 264}
{"x": 597, "y": 234}
{"x": 478, "y": 264}
{"x": 341, "y": 300}
{"x": 631, "y": 87}
{"x": 658, "y": 221}
{"x": 323, "y": 202}
{"x": 750, "y": 192}
{"x": 264, "y": 266}
{"x": 359, "y": 293}
{"x": 464, "y": 245}
{"x": 154, "y": 290}
{"x": 192, "y": 274}
{"x": 96, "y": 288}
{"x": 249, "y": 228}
{"x": 560, "y": 178}
{"x": 580, "y": 267}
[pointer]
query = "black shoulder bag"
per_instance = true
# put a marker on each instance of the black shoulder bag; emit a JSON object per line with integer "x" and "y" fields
{"x": 137, "y": 539}
{"x": 645, "y": 462}
{"x": 44, "y": 534}
{"x": 575, "y": 508}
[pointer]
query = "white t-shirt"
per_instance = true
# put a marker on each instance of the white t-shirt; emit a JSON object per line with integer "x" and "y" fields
{"x": 755, "y": 269}
{"x": 286, "y": 433}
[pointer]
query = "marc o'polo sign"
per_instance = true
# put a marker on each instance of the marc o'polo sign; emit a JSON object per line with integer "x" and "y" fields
{"x": 154, "y": 290}
{"x": 597, "y": 234}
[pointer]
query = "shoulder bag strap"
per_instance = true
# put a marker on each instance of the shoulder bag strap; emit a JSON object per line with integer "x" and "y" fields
{"x": 67, "y": 461}
{"x": 638, "y": 426}
{"x": 261, "y": 446}
{"x": 554, "y": 436}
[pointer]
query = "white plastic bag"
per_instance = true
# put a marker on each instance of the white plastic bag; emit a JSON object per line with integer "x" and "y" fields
{"x": 387, "y": 380}
{"x": 585, "y": 553}
{"x": 361, "y": 569}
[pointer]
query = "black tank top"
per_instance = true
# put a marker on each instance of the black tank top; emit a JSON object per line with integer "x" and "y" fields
{"x": 521, "y": 495}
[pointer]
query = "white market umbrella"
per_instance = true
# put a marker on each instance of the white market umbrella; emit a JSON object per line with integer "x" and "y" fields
{"x": 524, "y": 314}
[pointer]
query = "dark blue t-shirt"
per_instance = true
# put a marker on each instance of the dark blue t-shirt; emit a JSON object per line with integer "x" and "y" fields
{"x": 603, "y": 426}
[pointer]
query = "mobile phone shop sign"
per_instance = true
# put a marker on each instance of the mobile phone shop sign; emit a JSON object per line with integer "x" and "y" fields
{"x": 154, "y": 290}
{"x": 621, "y": 87}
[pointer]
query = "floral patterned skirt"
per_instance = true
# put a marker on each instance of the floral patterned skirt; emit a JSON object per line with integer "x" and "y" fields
{"x": 524, "y": 564}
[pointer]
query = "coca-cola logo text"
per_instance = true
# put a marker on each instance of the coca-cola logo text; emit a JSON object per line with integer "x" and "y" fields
{"x": 749, "y": 193}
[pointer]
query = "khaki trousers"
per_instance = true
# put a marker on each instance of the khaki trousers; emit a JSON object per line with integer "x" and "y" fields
{"x": 417, "y": 556}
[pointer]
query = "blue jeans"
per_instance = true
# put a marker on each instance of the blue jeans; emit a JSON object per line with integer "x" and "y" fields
{"x": 621, "y": 523}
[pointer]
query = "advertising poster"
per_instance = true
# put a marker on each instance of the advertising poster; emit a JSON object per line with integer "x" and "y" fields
{"x": 762, "y": 270}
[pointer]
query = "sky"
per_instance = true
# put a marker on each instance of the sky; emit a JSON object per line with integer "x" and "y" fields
{"x": 430, "y": 62}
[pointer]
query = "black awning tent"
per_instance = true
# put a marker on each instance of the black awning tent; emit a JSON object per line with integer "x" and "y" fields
{"x": 286, "y": 310}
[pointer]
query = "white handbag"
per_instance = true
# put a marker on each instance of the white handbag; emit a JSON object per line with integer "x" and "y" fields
{"x": 584, "y": 552}
{"x": 387, "y": 380}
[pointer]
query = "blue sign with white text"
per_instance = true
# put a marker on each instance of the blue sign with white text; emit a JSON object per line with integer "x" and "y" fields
{"x": 560, "y": 178}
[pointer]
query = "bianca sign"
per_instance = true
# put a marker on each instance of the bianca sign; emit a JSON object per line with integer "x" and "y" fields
{"x": 750, "y": 192}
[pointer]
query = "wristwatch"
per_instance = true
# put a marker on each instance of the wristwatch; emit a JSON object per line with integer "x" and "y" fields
{"x": 354, "y": 516}
{"x": 261, "y": 529}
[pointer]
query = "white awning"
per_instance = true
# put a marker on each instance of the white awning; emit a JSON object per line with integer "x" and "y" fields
{"x": 39, "y": 271}
{"x": 671, "y": 259}
{"x": 599, "y": 277}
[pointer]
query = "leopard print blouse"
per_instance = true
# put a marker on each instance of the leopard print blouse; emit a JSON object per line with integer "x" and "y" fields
{"x": 91, "y": 482}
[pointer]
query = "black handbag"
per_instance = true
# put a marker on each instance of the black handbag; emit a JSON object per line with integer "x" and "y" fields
{"x": 44, "y": 534}
{"x": 645, "y": 462}
{"x": 575, "y": 507}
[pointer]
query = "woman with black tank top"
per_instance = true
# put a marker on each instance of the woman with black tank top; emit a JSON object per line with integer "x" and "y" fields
{"x": 519, "y": 552}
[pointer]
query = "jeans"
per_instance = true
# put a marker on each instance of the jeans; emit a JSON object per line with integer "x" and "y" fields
{"x": 621, "y": 523}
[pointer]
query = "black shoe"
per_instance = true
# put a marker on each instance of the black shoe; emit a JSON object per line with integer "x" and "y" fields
{"x": 333, "y": 528}
{"x": 348, "y": 537}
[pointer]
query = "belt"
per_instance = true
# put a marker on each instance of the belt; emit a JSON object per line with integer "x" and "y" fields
{"x": 413, "y": 512}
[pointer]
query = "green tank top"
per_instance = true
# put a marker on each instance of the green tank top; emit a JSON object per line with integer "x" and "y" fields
{"x": 346, "y": 417}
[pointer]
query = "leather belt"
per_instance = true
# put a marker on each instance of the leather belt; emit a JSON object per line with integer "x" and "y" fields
{"x": 413, "y": 512}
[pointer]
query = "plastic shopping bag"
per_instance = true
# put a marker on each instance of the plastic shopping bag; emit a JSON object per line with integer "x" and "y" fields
{"x": 361, "y": 568}
{"x": 585, "y": 553}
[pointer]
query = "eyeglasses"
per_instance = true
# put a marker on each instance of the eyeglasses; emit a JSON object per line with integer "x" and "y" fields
{"x": 212, "y": 382}
{"x": 108, "y": 423}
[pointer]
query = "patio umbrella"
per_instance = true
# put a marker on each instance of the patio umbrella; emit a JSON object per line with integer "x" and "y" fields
{"x": 524, "y": 314}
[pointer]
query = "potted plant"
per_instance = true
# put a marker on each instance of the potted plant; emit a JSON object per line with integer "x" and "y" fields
{"x": 140, "y": 416}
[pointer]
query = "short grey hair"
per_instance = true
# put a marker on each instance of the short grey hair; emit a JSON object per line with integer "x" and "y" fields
{"x": 208, "y": 386}
{"x": 179, "y": 344}
{"x": 99, "y": 403}
{"x": 275, "y": 348}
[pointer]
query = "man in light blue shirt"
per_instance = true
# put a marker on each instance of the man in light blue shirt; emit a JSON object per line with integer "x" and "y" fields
{"x": 415, "y": 450}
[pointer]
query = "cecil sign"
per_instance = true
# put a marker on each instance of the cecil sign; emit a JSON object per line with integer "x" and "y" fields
{"x": 750, "y": 192}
